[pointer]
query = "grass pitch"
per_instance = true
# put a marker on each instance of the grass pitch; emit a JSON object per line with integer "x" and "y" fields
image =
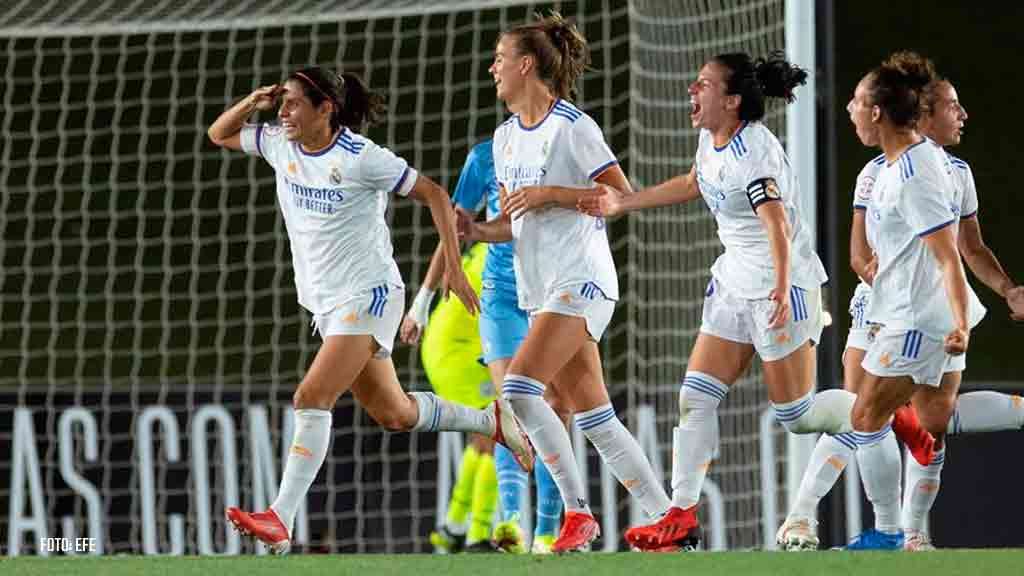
{"x": 968, "y": 562}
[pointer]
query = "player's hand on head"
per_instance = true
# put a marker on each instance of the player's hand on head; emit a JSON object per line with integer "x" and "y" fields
{"x": 780, "y": 296}
{"x": 410, "y": 331}
{"x": 1015, "y": 300}
{"x": 458, "y": 283}
{"x": 265, "y": 97}
{"x": 956, "y": 341}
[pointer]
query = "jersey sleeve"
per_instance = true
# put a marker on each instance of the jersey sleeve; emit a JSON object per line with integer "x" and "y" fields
{"x": 862, "y": 189}
{"x": 381, "y": 169}
{"x": 588, "y": 148}
{"x": 762, "y": 174}
{"x": 476, "y": 176}
{"x": 969, "y": 203}
{"x": 263, "y": 140}
{"x": 925, "y": 205}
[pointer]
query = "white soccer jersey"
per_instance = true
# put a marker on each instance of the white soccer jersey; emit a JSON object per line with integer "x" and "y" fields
{"x": 333, "y": 204}
{"x": 732, "y": 181}
{"x": 556, "y": 247}
{"x": 912, "y": 197}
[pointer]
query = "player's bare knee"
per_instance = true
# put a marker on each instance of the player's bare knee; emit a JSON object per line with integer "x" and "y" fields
{"x": 862, "y": 417}
{"x": 394, "y": 420}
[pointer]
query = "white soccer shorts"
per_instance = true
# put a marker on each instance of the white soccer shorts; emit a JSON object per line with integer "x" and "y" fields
{"x": 586, "y": 301}
{"x": 746, "y": 321}
{"x": 377, "y": 312}
{"x": 894, "y": 353}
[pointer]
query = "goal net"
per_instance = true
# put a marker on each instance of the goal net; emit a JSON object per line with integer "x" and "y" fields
{"x": 151, "y": 337}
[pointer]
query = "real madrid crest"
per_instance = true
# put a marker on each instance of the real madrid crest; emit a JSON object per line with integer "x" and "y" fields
{"x": 544, "y": 149}
{"x": 508, "y": 150}
{"x": 335, "y": 174}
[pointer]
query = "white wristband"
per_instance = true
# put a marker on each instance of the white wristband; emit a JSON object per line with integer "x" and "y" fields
{"x": 420, "y": 309}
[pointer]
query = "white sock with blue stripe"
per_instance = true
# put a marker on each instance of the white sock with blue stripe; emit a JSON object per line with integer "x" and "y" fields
{"x": 621, "y": 452}
{"x": 548, "y": 436}
{"x": 986, "y": 411}
{"x": 922, "y": 488}
{"x": 695, "y": 440}
{"x": 878, "y": 456}
{"x": 829, "y": 459}
{"x": 437, "y": 414}
{"x": 827, "y": 411}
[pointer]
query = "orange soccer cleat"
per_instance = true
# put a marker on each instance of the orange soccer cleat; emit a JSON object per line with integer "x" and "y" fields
{"x": 264, "y": 526}
{"x": 908, "y": 429}
{"x": 578, "y": 530}
{"x": 673, "y": 531}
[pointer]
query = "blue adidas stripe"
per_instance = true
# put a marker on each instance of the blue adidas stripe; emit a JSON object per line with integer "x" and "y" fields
{"x": 720, "y": 389}
{"x": 595, "y": 420}
{"x": 793, "y": 412}
{"x": 739, "y": 141}
{"x": 863, "y": 438}
{"x": 846, "y": 439}
{"x": 569, "y": 111}
{"x": 704, "y": 387}
{"x": 557, "y": 112}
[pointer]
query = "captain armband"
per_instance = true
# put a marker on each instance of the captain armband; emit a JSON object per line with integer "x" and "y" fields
{"x": 762, "y": 190}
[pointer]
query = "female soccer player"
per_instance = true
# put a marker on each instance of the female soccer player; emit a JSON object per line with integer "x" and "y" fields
{"x": 333, "y": 186}
{"x": 502, "y": 328}
{"x": 546, "y": 157}
{"x": 921, "y": 307}
{"x": 941, "y": 411}
{"x": 764, "y": 294}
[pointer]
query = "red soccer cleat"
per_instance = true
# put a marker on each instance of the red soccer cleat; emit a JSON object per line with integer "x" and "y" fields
{"x": 264, "y": 526}
{"x": 668, "y": 533}
{"x": 908, "y": 429}
{"x": 578, "y": 530}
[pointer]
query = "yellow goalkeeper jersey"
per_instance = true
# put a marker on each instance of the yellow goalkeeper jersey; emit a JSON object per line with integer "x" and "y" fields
{"x": 451, "y": 348}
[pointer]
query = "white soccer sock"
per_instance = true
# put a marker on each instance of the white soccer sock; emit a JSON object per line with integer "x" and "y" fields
{"x": 827, "y": 411}
{"x": 694, "y": 441}
{"x": 436, "y": 414}
{"x": 306, "y": 456}
{"x": 548, "y": 436}
{"x": 621, "y": 452}
{"x": 829, "y": 459}
{"x": 986, "y": 411}
{"x": 922, "y": 488}
{"x": 878, "y": 456}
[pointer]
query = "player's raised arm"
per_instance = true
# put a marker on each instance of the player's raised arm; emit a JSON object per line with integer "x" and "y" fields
{"x": 226, "y": 129}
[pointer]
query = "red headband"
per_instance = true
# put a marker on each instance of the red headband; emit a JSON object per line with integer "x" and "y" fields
{"x": 314, "y": 84}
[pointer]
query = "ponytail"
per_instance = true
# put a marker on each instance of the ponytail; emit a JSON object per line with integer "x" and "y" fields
{"x": 756, "y": 80}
